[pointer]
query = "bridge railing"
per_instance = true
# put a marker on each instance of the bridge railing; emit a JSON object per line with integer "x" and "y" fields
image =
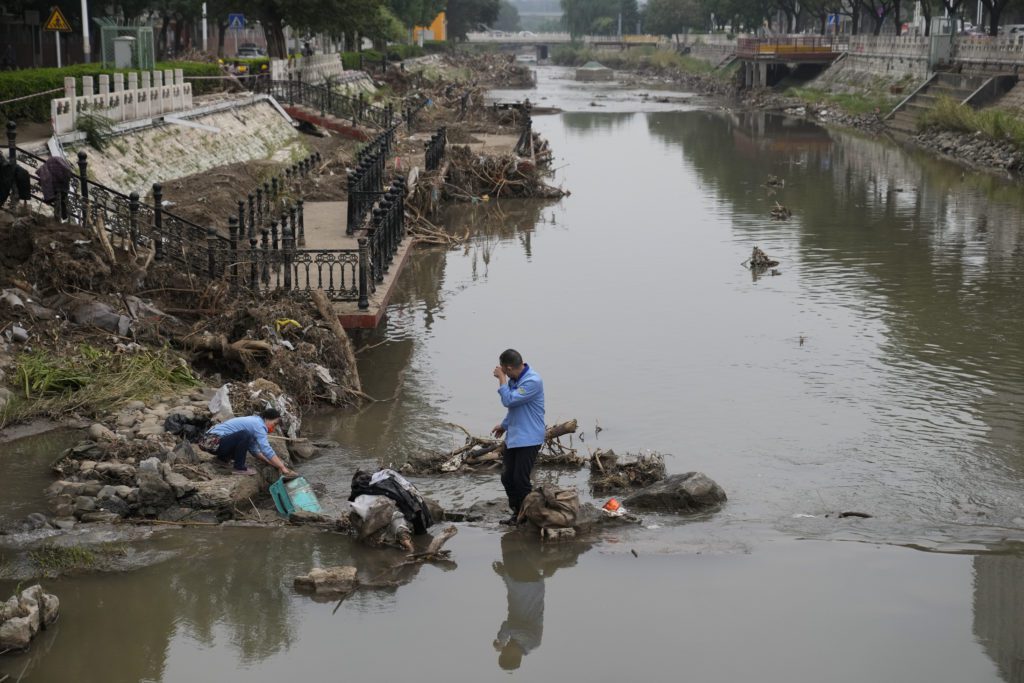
{"x": 796, "y": 47}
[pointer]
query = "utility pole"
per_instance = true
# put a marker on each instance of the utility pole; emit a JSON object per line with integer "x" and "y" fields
{"x": 86, "y": 47}
{"x": 205, "y": 35}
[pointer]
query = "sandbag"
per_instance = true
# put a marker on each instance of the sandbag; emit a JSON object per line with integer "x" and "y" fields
{"x": 552, "y": 507}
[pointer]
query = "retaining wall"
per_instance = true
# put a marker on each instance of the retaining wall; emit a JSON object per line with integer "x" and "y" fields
{"x": 313, "y": 69}
{"x": 237, "y": 132}
{"x": 712, "y": 48}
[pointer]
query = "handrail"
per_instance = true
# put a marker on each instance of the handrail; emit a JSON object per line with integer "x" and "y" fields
{"x": 911, "y": 96}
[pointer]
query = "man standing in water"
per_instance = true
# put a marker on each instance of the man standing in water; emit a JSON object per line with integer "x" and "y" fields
{"x": 522, "y": 392}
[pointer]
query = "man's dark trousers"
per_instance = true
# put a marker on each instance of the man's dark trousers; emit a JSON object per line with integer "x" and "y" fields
{"x": 515, "y": 474}
{"x": 235, "y": 447}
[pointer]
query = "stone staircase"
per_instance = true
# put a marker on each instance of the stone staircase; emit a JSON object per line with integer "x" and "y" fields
{"x": 957, "y": 87}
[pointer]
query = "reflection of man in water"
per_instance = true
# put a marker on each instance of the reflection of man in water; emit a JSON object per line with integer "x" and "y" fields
{"x": 524, "y": 584}
{"x": 524, "y": 565}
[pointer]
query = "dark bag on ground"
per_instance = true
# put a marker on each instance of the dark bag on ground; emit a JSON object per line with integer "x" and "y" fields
{"x": 396, "y": 487}
{"x": 188, "y": 428}
{"x": 552, "y": 507}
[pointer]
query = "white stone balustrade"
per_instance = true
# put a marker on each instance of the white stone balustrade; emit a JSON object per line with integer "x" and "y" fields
{"x": 159, "y": 93}
{"x": 314, "y": 69}
{"x": 981, "y": 50}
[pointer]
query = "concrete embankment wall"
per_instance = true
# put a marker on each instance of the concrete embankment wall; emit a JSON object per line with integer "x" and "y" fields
{"x": 875, "y": 62}
{"x": 134, "y": 160}
{"x": 711, "y": 48}
{"x": 884, "y": 61}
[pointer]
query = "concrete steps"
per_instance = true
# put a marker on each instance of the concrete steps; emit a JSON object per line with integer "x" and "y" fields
{"x": 957, "y": 87}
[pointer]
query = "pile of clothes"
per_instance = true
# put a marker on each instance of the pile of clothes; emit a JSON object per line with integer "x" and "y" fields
{"x": 387, "y": 509}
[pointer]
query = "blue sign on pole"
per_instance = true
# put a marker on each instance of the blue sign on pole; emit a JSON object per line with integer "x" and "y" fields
{"x": 236, "y": 21}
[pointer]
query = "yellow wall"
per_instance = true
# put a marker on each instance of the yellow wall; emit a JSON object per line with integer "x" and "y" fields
{"x": 439, "y": 28}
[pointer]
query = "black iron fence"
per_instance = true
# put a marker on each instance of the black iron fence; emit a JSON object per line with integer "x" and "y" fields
{"x": 366, "y": 181}
{"x": 325, "y": 99}
{"x": 387, "y": 229}
{"x": 262, "y": 252}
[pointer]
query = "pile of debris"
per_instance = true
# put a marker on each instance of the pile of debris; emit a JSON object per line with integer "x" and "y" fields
{"x": 144, "y": 466}
{"x": 610, "y": 475}
{"x": 759, "y": 260}
{"x": 62, "y": 288}
{"x": 473, "y": 176}
{"x": 481, "y": 454}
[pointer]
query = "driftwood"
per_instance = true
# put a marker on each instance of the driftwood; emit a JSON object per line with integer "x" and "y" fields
{"x": 759, "y": 260}
{"x": 480, "y": 454}
{"x": 351, "y": 379}
{"x": 241, "y": 350}
{"x": 780, "y": 213}
{"x": 610, "y": 475}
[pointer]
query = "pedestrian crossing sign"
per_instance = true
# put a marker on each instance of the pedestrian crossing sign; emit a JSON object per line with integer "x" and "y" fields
{"x": 236, "y": 21}
{"x": 57, "y": 22}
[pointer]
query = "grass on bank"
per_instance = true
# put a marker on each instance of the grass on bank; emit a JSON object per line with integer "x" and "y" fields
{"x": 90, "y": 381}
{"x": 637, "y": 58}
{"x": 995, "y": 124}
{"x": 56, "y": 560}
{"x": 851, "y": 103}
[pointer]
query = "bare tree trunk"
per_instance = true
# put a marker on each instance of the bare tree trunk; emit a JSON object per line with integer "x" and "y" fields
{"x": 222, "y": 33}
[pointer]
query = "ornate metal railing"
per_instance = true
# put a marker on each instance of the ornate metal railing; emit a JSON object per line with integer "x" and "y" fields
{"x": 325, "y": 99}
{"x": 387, "y": 229}
{"x": 263, "y": 250}
{"x": 366, "y": 181}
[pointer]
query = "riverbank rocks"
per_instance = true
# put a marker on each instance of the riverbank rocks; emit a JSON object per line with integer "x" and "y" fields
{"x": 335, "y": 581}
{"x": 24, "y": 615}
{"x": 690, "y": 492}
{"x": 975, "y": 149}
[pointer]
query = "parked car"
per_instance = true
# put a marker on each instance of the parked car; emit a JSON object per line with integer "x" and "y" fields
{"x": 250, "y": 51}
{"x": 527, "y": 34}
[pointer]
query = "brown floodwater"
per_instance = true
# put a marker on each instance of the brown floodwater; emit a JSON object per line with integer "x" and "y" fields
{"x": 881, "y": 372}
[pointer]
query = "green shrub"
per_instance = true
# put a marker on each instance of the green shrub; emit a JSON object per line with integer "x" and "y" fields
{"x": 995, "y": 124}
{"x": 351, "y": 59}
{"x": 31, "y": 81}
{"x": 432, "y": 46}
{"x": 867, "y": 102}
{"x": 253, "y": 65}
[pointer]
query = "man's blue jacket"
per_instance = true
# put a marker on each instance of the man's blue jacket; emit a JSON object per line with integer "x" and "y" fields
{"x": 524, "y": 398}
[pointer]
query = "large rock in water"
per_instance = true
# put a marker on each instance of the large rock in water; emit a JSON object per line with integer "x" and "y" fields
{"x": 328, "y": 581}
{"x": 690, "y": 492}
{"x": 24, "y": 615}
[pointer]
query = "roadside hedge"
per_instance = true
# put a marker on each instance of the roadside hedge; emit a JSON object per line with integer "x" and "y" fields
{"x": 253, "y": 65}
{"x": 30, "y": 81}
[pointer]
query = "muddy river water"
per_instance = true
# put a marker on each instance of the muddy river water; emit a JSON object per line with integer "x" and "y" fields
{"x": 882, "y": 372}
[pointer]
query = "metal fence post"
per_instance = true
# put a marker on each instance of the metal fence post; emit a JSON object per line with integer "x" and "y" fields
{"x": 234, "y": 228}
{"x": 350, "y": 219}
{"x": 265, "y": 272}
{"x": 302, "y": 222}
{"x": 289, "y": 247}
{"x": 364, "y": 266}
{"x": 251, "y": 220}
{"x": 83, "y": 184}
{"x": 133, "y": 218}
{"x": 377, "y": 256}
{"x": 254, "y": 282}
{"x": 211, "y": 256}
{"x": 12, "y": 142}
{"x": 158, "y": 221}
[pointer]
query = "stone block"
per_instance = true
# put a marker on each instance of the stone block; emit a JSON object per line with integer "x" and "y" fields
{"x": 328, "y": 581}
